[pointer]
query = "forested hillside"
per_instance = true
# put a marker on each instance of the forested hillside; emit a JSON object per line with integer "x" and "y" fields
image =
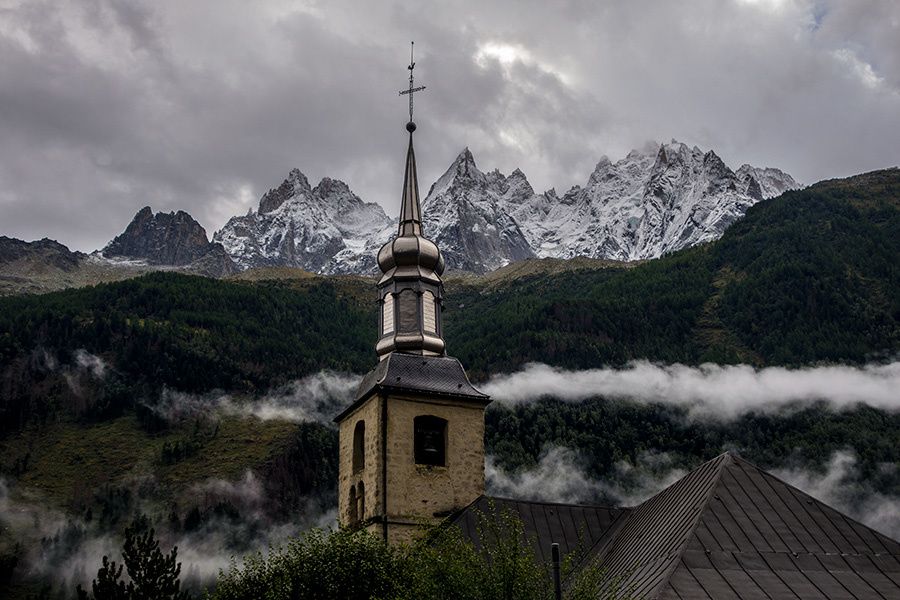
{"x": 111, "y": 397}
{"x": 810, "y": 276}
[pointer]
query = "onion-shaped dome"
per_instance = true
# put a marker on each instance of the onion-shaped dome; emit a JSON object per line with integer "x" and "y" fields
{"x": 410, "y": 252}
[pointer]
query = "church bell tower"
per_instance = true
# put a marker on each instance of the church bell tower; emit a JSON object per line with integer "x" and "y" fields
{"x": 412, "y": 442}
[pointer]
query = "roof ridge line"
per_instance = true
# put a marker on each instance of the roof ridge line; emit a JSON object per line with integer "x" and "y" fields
{"x": 589, "y": 554}
{"x": 726, "y": 459}
{"x": 600, "y": 554}
{"x": 577, "y": 505}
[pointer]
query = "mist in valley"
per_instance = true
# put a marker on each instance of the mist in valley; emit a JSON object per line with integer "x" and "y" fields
{"x": 219, "y": 521}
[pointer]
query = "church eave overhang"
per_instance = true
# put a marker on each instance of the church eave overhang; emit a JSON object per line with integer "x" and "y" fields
{"x": 439, "y": 377}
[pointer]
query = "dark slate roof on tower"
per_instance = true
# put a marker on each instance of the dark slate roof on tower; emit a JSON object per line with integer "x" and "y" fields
{"x": 440, "y": 376}
{"x": 729, "y": 529}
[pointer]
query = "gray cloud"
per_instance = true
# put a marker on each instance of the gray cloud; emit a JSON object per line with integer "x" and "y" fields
{"x": 556, "y": 478}
{"x": 86, "y": 367}
{"x": 108, "y": 106}
{"x": 316, "y": 397}
{"x": 559, "y": 477}
{"x": 91, "y": 363}
{"x": 707, "y": 391}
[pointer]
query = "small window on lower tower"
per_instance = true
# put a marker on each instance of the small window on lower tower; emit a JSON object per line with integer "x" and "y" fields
{"x": 359, "y": 446}
{"x": 430, "y": 440}
{"x": 352, "y": 506}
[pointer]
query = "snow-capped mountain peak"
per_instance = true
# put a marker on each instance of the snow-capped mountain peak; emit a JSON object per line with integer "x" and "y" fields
{"x": 296, "y": 184}
{"x": 657, "y": 199}
{"x": 517, "y": 187}
{"x": 327, "y": 228}
{"x": 462, "y": 169}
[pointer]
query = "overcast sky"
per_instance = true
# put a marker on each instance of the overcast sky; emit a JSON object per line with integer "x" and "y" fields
{"x": 204, "y": 105}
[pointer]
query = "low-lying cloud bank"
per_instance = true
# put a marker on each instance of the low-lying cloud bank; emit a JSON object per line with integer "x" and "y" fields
{"x": 315, "y": 398}
{"x": 706, "y": 391}
{"x": 724, "y": 391}
{"x": 559, "y": 477}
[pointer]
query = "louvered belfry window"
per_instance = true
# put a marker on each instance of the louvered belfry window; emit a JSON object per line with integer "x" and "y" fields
{"x": 430, "y": 440}
{"x": 429, "y": 312}
{"x": 387, "y": 315}
{"x": 409, "y": 311}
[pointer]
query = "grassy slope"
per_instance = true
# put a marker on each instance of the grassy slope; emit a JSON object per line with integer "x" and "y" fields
{"x": 67, "y": 462}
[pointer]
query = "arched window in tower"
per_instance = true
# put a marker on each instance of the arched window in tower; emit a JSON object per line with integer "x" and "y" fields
{"x": 387, "y": 314}
{"x": 361, "y": 500}
{"x": 408, "y": 311}
{"x": 352, "y": 505}
{"x": 359, "y": 446}
{"x": 429, "y": 312}
{"x": 430, "y": 440}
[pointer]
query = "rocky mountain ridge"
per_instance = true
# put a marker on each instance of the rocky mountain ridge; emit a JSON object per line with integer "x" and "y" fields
{"x": 171, "y": 239}
{"x": 659, "y": 199}
{"x": 326, "y": 229}
{"x": 656, "y": 200}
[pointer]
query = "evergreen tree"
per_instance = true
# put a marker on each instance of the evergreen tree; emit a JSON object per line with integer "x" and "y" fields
{"x": 153, "y": 575}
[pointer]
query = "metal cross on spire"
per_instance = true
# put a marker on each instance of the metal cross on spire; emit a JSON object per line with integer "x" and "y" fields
{"x": 412, "y": 90}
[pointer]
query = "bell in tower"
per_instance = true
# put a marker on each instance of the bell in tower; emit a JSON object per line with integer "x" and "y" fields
{"x": 412, "y": 442}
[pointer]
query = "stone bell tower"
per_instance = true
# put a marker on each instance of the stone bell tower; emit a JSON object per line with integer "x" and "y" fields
{"x": 412, "y": 442}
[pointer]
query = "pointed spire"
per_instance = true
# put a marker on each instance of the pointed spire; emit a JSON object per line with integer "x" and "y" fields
{"x": 410, "y": 289}
{"x": 410, "y": 207}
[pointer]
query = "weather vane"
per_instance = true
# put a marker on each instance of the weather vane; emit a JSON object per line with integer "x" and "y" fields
{"x": 412, "y": 90}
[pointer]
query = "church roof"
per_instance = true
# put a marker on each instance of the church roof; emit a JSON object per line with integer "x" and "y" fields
{"x": 729, "y": 529}
{"x": 572, "y": 526}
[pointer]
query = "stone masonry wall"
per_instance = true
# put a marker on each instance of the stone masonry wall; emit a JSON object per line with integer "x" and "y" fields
{"x": 416, "y": 493}
{"x": 370, "y": 413}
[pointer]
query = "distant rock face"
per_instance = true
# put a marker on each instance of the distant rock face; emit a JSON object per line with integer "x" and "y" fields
{"x": 172, "y": 239}
{"x": 771, "y": 182}
{"x": 45, "y": 252}
{"x": 466, "y": 214}
{"x": 215, "y": 263}
{"x": 326, "y": 229}
{"x": 658, "y": 199}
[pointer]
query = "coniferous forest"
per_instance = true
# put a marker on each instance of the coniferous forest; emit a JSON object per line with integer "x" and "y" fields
{"x": 92, "y": 378}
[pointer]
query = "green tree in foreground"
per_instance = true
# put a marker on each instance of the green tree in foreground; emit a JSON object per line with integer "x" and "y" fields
{"x": 154, "y": 575}
{"x": 357, "y": 565}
